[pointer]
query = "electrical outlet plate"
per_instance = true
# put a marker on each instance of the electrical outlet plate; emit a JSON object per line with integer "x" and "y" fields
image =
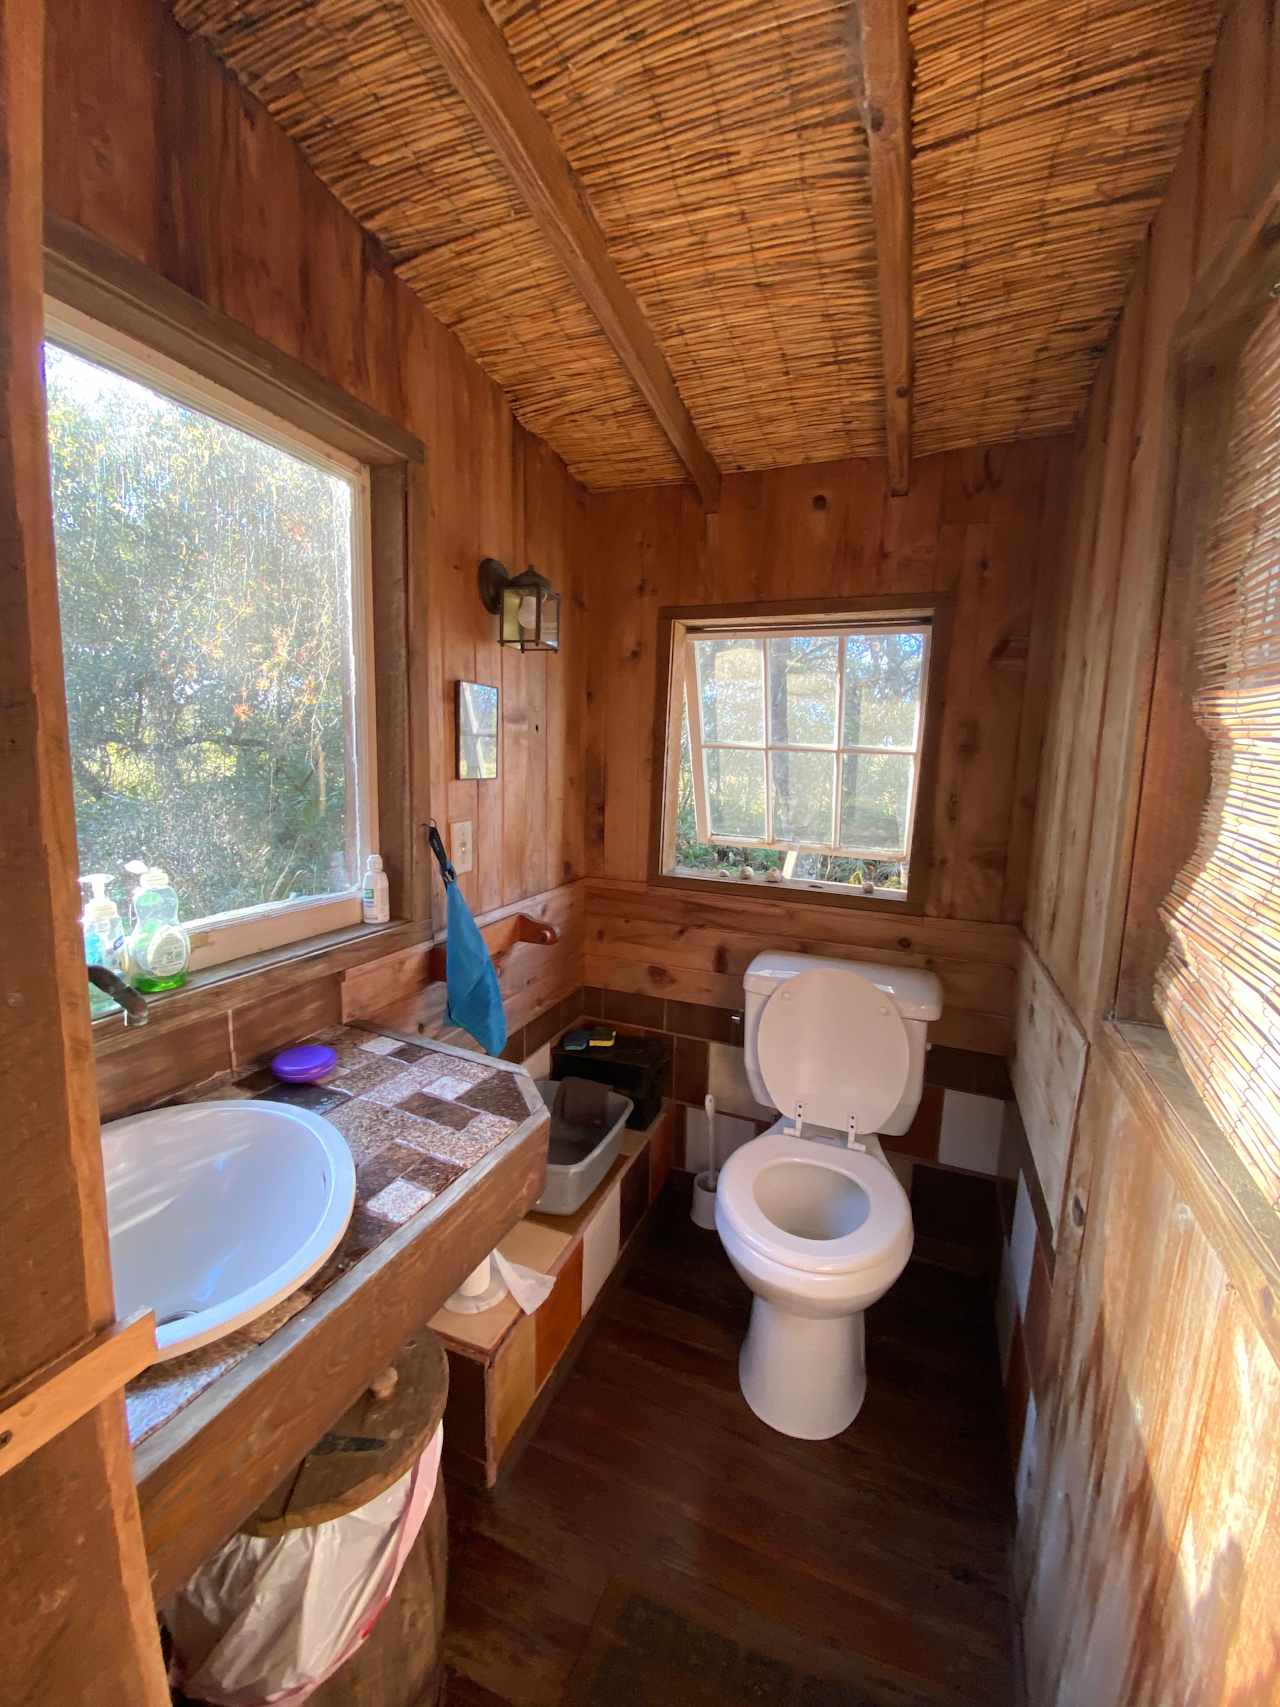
{"x": 460, "y": 849}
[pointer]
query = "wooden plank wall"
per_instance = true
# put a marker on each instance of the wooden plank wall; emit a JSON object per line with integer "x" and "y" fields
{"x": 1149, "y": 1494}
{"x": 983, "y": 524}
{"x": 1148, "y": 1551}
{"x": 153, "y": 147}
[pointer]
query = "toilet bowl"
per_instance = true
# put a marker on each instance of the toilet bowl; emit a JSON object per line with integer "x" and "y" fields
{"x": 818, "y": 1232}
{"x": 810, "y": 1214}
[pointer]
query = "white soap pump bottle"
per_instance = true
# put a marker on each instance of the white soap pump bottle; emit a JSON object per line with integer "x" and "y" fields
{"x": 375, "y": 895}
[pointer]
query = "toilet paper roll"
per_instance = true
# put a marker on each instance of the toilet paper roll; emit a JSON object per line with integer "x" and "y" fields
{"x": 478, "y": 1281}
{"x": 527, "y": 1286}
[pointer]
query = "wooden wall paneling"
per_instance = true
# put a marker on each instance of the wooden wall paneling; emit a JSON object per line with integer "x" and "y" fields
{"x": 248, "y": 229}
{"x": 1049, "y": 1057}
{"x": 1235, "y": 130}
{"x": 1042, "y": 645}
{"x": 493, "y": 483}
{"x": 76, "y": 1618}
{"x": 1175, "y": 757}
{"x": 1225, "y": 1596}
{"x": 974, "y": 523}
{"x": 392, "y": 992}
{"x": 669, "y": 943}
{"x": 1147, "y": 1554}
{"x": 1054, "y": 801}
{"x": 990, "y": 642}
{"x": 1113, "y": 1318}
{"x": 1087, "y": 695}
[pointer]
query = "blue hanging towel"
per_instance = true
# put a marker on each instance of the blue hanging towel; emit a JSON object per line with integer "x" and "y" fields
{"x": 474, "y": 999}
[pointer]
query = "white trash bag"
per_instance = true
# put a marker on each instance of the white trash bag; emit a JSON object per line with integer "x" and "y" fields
{"x": 266, "y": 1620}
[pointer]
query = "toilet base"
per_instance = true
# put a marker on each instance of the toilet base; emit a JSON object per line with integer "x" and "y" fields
{"x": 806, "y": 1376}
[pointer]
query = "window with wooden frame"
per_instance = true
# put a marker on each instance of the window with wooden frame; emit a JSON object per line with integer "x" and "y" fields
{"x": 795, "y": 744}
{"x": 231, "y": 540}
{"x": 1202, "y": 926}
{"x": 1218, "y": 987}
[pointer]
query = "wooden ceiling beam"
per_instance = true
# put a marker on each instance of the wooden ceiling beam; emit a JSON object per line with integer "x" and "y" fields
{"x": 884, "y": 56}
{"x": 478, "y": 63}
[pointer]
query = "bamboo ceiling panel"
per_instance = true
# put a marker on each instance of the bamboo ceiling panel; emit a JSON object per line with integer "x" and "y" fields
{"x": 354, "y": 83}
{"x": 1044, "y": 134}
{"x": 721, "y": 147}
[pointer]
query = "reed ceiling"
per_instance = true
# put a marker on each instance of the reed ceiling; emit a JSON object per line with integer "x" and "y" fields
{"x": 722, "y": 150}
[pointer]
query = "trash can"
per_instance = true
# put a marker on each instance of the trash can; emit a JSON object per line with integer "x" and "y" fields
{"x": 333, "y": 1592}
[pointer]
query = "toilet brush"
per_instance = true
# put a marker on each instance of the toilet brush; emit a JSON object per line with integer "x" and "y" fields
{"x": 703, "y": 1208}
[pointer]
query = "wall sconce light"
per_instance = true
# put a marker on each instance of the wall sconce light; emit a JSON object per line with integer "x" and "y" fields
{"x": 529, "y": 611}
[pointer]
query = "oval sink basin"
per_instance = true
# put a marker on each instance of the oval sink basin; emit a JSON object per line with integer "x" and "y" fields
{"x": 218, "y": 1210}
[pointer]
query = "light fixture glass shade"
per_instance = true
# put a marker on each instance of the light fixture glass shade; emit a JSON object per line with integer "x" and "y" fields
{"x": 530, "y": 618}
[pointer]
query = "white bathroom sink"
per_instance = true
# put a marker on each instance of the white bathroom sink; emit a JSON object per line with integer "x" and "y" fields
{"x": 218, "y": 1210}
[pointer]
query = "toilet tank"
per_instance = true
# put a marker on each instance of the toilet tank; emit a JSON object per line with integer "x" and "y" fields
{"x": 915, "y": 993}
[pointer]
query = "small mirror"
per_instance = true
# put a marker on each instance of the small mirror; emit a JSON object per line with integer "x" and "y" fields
{"x": 477, "y": 732}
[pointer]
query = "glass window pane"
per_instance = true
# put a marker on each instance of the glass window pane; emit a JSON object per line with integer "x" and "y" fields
{"x": 803, "y": 689}
{"x": 882, "y": 677}
{"x": 731, "y": 689}
{"x": 204, "y": 582}
{"x": 735, "y": 791}
{"x": 874, "y": 802}
{"x": 803, "y": 797}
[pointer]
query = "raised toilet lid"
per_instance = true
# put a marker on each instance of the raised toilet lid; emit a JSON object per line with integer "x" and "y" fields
{"x": 813, "y": 1206}
{"x": 834, "y": 1042}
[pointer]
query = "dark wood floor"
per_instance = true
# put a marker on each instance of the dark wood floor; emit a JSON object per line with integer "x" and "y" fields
{"x": 651, "y": 1508}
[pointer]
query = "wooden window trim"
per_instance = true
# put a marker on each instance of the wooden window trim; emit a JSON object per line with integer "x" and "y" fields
{"x": 931, "y": 607}
{"x": 91, "y": 276}
{"x": 1234, "y": 292}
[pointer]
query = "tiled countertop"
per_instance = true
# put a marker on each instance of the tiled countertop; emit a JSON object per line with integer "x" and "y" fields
{"x": 416, "y": 1116}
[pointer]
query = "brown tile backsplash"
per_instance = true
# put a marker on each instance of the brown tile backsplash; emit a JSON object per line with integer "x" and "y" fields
{"x": 717, "y": 1025}
{"x": 427, "y": 1107}
{"x": 920, "y": 1140}
{"x": 691, "y": 1069}
{"x": 626, "y": 1007}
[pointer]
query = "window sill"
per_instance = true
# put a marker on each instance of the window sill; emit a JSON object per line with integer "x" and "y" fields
{"x": 1235, "y": 1216}
{"x": 217, "y": 988}
{"x": 898, "y": 902}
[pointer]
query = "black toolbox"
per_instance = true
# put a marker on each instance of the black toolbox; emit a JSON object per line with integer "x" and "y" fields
{"x": 639, "y": 1067}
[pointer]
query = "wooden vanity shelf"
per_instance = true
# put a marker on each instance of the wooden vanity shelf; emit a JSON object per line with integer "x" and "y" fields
{"x": 505, "y": 1366}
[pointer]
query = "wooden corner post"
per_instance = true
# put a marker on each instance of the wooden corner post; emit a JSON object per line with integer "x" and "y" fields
{"x": 76, "y": 1616}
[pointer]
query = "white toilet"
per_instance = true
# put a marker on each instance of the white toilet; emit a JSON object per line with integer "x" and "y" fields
{"x": 815, "y": 1220}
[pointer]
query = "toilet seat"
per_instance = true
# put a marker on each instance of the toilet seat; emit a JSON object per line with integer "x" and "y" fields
{"x": 887, "y": 1218}
{"x": 837, "y": 1044}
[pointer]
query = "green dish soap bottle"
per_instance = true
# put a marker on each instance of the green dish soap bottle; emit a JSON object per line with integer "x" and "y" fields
{"x": 103, "y": 939}
{"x": 158, "y": 948}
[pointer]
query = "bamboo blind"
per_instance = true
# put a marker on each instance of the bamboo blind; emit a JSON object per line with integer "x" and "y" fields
{"x": 1219, "y": 986}
{"x": 722, "y": 150}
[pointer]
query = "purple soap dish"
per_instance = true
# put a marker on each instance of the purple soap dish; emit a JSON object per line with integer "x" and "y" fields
{"x": 305, "y": 1064}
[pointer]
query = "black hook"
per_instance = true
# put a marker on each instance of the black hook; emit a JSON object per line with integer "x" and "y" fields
{"x": 437, "y": 847}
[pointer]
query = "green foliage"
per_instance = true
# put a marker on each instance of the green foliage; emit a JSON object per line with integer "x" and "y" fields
{"x": 204, "y": 586}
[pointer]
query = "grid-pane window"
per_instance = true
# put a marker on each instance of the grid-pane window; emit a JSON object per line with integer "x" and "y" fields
{"x": 210, "y": 577}
{"x": 802, "y": 743}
